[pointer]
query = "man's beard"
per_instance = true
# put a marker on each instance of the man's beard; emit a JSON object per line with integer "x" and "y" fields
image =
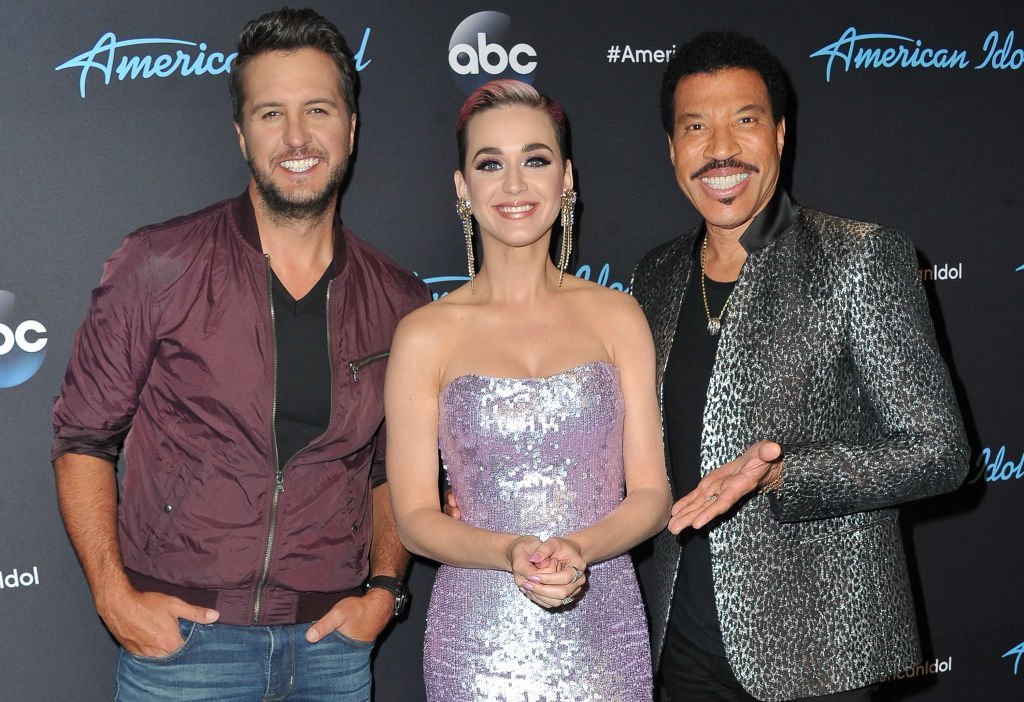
{"x": 298, "y": 208}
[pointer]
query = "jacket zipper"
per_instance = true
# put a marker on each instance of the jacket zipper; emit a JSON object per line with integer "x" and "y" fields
{"x": 355, "y": 366}
{"x": 330, "y": 364}
{"x": 280, "y": 470}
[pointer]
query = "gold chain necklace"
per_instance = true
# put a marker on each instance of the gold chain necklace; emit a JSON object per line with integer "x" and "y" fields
{"x": 714, "y": 323}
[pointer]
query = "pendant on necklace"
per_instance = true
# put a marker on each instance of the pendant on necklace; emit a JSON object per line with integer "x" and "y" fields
{"x": 714, "y": 326}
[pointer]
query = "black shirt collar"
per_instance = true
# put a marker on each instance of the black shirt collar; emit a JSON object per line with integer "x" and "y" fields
{"x": 766, "y": 227}
{"x": 316, "y": 295}
{"x": 770, "y": 223}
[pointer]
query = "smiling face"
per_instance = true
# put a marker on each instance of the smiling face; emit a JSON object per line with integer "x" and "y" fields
{"x": 514, "y": 174}
{"x": 295, "y": 132}
{"x": 725, "y": 146}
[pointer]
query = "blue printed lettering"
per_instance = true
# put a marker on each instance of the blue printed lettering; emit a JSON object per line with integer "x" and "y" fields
{"x": 107, "y": 57}
{"x": 995, "y": 468}
{"x": 102, "y": 57}
{"x": 441, "y": 285}
{"x": 358, "y": 58}
{"x": 1017, "y": 650}
{"x": 1001, "y": 57}
{"x": 847, "y": 51}
{"x": 442, "y": 280}
{"x": 602, "y": 277}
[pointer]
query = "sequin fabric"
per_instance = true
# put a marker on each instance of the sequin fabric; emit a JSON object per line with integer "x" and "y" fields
{"x": 828, "y": 348}
{"x": 536, "y": 456}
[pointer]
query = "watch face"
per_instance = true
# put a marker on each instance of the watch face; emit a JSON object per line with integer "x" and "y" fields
{"x": 400, "y": 601}
{"x": 393, "y": 585}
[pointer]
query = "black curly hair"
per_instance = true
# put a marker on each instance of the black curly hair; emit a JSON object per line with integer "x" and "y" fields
{"x": 714, "y": 51}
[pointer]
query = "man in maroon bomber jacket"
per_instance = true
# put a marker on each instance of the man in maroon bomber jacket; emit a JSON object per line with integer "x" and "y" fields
{"x": 236, "y": 355}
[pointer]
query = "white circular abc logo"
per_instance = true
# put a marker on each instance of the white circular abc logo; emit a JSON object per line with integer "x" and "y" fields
{"x": 22, "y": 345}
{"x": 477, "y": 51}
{"x": 27, "y": 336}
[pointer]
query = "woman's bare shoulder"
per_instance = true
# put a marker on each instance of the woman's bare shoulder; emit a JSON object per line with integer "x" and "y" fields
{"x": 427, "y": 327}
{"x": 607, "y": 304}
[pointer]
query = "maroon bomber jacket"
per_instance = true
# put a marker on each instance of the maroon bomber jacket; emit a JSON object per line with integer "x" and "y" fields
{"x": 175, "y": 364}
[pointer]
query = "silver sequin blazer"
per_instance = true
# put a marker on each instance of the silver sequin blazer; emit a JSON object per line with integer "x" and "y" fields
{"x": 828, "y": 349}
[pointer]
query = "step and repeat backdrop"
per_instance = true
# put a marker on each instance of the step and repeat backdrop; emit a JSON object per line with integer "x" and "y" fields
{"x": 115, "y": 114}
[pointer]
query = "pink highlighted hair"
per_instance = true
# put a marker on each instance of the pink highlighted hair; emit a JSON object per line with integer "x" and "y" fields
{"x": 508, "y": 93}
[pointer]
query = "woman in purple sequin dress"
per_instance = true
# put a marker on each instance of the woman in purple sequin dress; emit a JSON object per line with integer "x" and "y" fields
{"x": 539, "y": 389}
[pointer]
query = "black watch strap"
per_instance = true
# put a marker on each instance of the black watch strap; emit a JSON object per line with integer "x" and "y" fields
{"x": 393, "y": 585}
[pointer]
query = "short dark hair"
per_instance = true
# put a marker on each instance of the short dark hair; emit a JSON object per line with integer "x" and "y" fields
{"x": 507, "y": 93}
{"x": 711, "y": 52}
{"x": 290, "y": 30}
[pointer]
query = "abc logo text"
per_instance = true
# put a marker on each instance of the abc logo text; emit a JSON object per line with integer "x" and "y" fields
{"x": 482, "y": 48}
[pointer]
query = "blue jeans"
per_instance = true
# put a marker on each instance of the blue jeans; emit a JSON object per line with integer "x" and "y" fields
{"x": 222, "y": 663}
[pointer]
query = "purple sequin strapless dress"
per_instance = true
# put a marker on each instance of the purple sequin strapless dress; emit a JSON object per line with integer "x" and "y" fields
{"x": 535, "y": 456}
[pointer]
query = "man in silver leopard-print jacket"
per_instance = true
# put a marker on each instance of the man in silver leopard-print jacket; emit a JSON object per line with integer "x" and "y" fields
{"x": 823, "y": 404}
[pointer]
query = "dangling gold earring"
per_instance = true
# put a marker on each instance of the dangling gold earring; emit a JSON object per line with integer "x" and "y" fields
{"x": 465, "y": 212}
{"x": 568, "y": 220}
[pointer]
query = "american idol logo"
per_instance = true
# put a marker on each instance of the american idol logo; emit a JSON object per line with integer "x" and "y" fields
{"x": 14, "y": 578}
{"x": 134, "y": 59}
{"x": 22, "y": 344}
{"x": 441, "y": 285}
{"x": 947, "y": 271}
{"x": 995, "y": 466}
{"x": 135, "y": 63}
{"x": 933, "y": 667}
{"x": 855, "y": 51}
{"x": 602, "y": 277}
{"x": 482, "y": 49}
{"x": 1017, "y": 651}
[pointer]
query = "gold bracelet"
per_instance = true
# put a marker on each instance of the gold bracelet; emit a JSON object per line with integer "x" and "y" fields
{"x": 774, "y": 484}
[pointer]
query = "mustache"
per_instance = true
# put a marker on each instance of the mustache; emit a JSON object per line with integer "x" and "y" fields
{"x": 299, "y": 154}
{"x": 727, "y": 163}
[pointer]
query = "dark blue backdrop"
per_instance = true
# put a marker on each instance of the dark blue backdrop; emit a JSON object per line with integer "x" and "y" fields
{"x": 908, "y": 114}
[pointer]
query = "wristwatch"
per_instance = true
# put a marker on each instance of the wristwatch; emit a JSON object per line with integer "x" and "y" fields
{"x": 393, "y": 585}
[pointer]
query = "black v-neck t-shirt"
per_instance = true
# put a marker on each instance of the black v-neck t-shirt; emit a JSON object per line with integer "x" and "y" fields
{"x": 303, "y": 366}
